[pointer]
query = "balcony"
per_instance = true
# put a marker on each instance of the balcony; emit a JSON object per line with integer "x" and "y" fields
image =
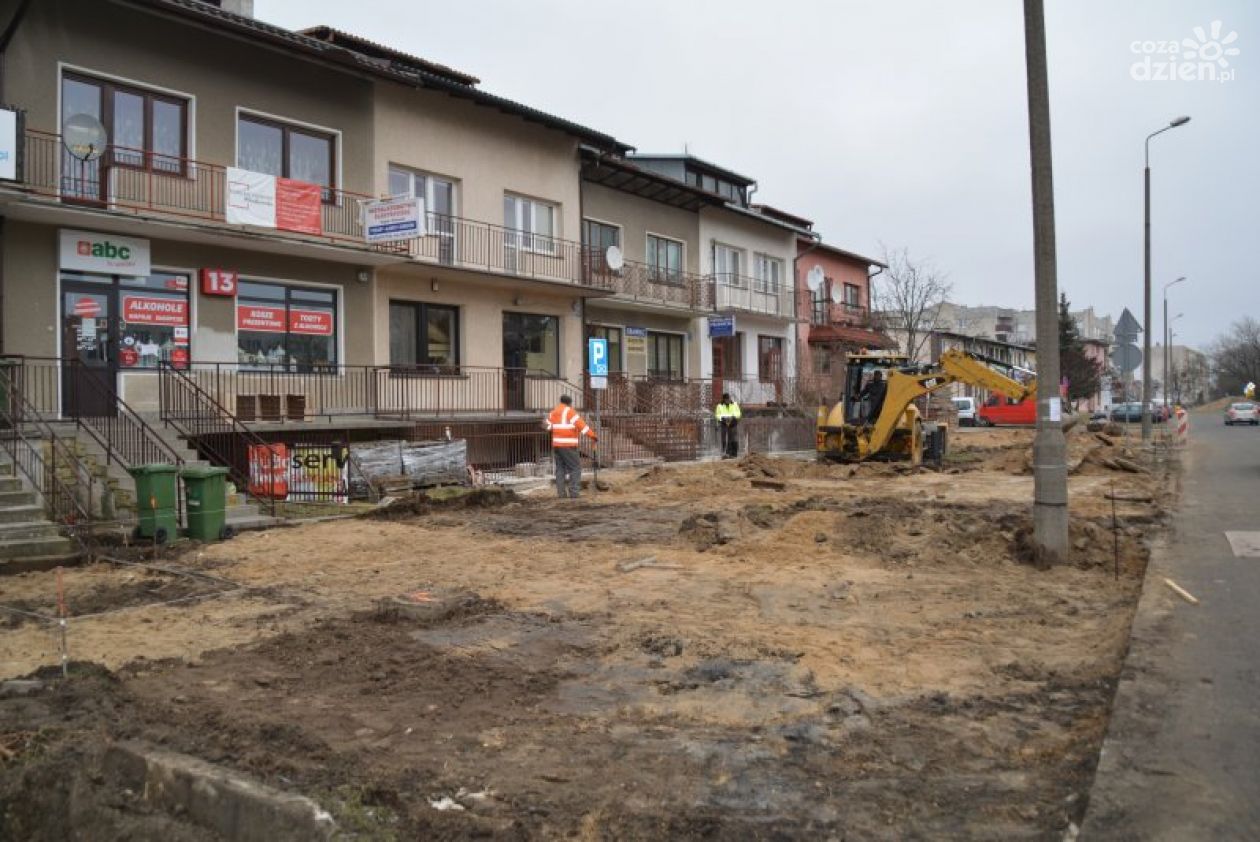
{"x": 842, "y": 314}
{"x": 134, "y": 181}
{"x": 645, "y": 284}
{"x": 752, "y": 295}
{"x": 479, "y": 246}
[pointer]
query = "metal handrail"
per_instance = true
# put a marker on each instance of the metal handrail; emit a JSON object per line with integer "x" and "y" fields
{"x": 213, "y": 418}
{"x": 65, "y": 504}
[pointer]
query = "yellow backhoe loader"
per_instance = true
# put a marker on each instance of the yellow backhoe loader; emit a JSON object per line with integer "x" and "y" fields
{"x": 882, "y": 422}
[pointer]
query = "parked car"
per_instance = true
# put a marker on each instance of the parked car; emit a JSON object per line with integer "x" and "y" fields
{"x": 966, "y": 408}
{"x": 1099, "y": 415}
{"x": 1129, "y": 412}
{"x": 1242, "y": 413}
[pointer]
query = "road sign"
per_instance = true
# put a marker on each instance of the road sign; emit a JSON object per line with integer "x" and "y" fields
{"x": 597, "y": 362}
{"x": 721, "y": 326}
{"x": 1127, "y": 357}
{"x": 1127, "y": 327}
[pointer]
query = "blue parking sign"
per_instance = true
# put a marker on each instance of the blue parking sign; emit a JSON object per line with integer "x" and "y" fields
{"x": 597, "y": 357}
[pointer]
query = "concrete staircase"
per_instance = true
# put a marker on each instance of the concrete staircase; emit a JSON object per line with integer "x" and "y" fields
{"x": 117, "y": 500}
{"x": 28, "y": 540}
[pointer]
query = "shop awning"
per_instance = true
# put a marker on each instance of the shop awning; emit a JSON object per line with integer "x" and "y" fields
{"x": 843, "y": 335}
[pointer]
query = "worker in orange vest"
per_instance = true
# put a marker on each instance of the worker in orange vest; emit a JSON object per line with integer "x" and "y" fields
{"x": 567, "y": 429}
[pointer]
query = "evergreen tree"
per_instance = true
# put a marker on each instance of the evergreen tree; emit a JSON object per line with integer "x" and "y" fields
{"x": 1083, "y": 375}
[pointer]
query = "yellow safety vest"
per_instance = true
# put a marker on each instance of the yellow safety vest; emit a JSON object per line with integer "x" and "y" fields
{"x": 727, "y": 410}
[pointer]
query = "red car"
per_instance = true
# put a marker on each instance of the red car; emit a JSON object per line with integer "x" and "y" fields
{"x": 1001, "y": 410}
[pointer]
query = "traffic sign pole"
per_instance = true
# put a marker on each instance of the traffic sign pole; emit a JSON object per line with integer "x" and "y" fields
{"x": 597, "y": 371}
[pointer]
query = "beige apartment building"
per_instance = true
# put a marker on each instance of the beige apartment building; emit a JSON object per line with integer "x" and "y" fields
{"x": 237, "y": 159}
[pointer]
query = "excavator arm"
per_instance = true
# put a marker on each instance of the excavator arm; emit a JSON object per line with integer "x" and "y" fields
{"x": 954, "y": 367}
{"x": 962, "y": 367}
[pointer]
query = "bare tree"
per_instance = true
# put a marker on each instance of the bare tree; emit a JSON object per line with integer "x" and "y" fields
{"x": 1236, "y": 357}
{"x": 909, "y": 294}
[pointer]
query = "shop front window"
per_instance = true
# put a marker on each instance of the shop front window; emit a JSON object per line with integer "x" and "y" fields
{"x": 665, "y": 355}
{"x": 153, "y": 312}
{"x": 290, "y": 327}
{"x": 424, "y": 337}
{"x": 531, "y": 343}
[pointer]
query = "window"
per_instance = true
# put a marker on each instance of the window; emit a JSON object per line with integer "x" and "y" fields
{"x": 728, "y": 265}
{"x": 819, "y": 299}
{"x": 285, "y": 151}
{"x": 613, "y": 336}
{"x": 665, "y": 258}
{"x": 769, "y": 273}
{"x": 425, "y": 335}
{"x": 532, "y": 224}
{"x": 290, "y": 327}
{"x": 438, "y": 193}
{"x": 600, "y": 235}
{"x": 665, "y": 355}
{"x": 147, "y": 130}
{"x": 822, "y": 360}
{"x": 769, "y": 358}
{"x": 154, "y": 316}
{"x": 852, "y": 296}
{"x": 532, "y": 342}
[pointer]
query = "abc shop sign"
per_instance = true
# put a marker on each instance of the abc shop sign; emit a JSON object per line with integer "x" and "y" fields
{"x": 110, "y": 254}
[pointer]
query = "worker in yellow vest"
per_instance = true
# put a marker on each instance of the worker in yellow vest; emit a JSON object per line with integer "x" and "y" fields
{"x": 567, "y": 429}
{"x": 727, "y": 414}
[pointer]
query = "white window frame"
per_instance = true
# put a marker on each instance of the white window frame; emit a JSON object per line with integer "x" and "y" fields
{"x": 524, "y": 233}
{"x": 762, "y": 262}
{"x": 731, "y": 279}
{"x": 429, "y": 177}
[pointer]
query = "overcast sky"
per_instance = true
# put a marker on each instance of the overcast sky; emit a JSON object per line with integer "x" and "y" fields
{"x": 904, "y": 122}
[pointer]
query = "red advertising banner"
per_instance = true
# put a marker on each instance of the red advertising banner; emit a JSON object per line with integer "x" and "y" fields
{"x": 218, "y": 282}
{"x": 262, "y": 318}
{"x": 269, "y": 471}
{"x": 151, "y": 310}
{"x": 297, "y": 206}
{"x": 88, "y": 308}
{"x": 311, "y": 322}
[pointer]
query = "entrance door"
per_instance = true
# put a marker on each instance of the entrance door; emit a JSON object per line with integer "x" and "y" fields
{"x": 89, "y": 351}
{"x": 514, "y": 363}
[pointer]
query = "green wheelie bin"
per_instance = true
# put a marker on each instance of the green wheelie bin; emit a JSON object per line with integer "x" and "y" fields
{"x": 205, "y": 495}
{"x": 156, "y": 502}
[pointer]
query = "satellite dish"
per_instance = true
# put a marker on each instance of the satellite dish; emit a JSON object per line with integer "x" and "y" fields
{"x": 84, "y": 137}
{"x": 814, "y": 279}
{"x": 614, "y": 258}
{"x": 835, "y": 294}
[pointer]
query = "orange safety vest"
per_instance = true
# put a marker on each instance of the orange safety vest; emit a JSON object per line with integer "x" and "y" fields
{"x": 567, "y": 426}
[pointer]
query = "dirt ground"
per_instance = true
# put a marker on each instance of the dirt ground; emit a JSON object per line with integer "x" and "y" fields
{"x": 865, "y": 653}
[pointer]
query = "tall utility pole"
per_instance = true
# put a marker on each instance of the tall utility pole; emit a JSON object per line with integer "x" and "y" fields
{"x": 1050, "y": 495}
{"x": 1146, "y": 285}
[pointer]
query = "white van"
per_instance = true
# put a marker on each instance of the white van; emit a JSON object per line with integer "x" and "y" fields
{"x": 966, "y": 411}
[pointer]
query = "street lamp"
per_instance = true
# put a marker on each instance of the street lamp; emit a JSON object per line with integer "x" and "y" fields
{"x": 1167, "y": 338}
{"x": 1172, "y": 362}
{"x": 1146, "y": 286}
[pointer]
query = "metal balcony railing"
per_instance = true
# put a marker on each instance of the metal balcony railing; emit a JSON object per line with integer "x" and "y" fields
{"x": 648, "y": 284}
{"x": 139, "y": 181}
{"x": 751, "y": 295}
{"x": 844, "y": 313}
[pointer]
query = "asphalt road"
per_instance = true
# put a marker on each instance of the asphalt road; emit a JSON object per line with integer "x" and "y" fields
{"x": 1182, "y": 755}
